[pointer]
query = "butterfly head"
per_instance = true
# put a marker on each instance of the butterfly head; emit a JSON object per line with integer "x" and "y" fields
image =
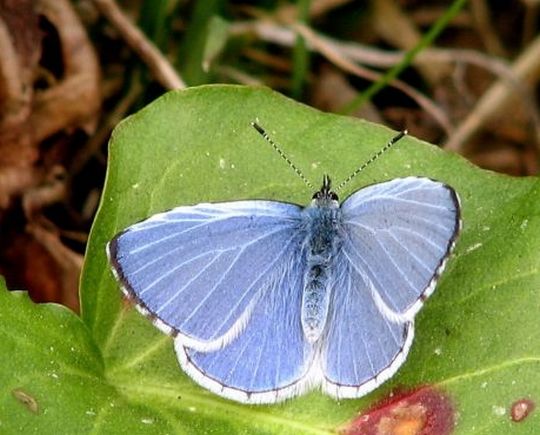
{"x": 325, "y": 196}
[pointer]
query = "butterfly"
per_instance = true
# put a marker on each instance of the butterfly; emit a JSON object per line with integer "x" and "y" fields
{"x": 267, "y": 300}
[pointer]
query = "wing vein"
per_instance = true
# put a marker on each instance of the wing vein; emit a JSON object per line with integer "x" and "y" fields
{"x": 411, "y": 253}
{"x": 278, "y": 256}
{"x": 214, "y": 287}
{"x": 367, "y": 280}
{"x": 387, "y": 254}
{"x": 174, "y": 269}
{"x": 407, "y": 201}
{"x": 353, "y": 348}
{"x": 172, "y": 251}
{"x": 180, "y": 290}
{"x": 420, "y": 236}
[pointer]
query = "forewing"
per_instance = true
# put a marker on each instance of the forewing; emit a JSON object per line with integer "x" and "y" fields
{"x": 399, "y": 234}
{"x": 362, "y": 347}
{"x": 198, "y": 271}
{"x": 270, "y": 360}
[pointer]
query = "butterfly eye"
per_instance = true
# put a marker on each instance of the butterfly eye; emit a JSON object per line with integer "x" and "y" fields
{"x": 334, "y": 196}
{"x": 316, "y": 195}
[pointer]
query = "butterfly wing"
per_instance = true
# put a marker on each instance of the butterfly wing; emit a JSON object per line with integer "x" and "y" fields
{"x": 199, "y": 271}
{"x": 363, "y": 348}
{"x": 396, "y": 238}
{"x": 270, "y": 361}
{"x": 398, "y": 234}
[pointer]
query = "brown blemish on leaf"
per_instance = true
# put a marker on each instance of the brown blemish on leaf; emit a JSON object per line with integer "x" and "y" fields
{"x": 521, "y": 409}
{"x": 27, "y": 400}
{"x": 424, "y": 411}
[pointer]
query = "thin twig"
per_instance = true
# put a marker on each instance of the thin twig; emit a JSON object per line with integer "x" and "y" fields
{"x": 69, "y": 262}
{"x": 483, "y": 21}
{"x": 76, "y": 99}
{"x": 95, "y": 142}
{"x": 343, "y": 62}
{"x": 238, "y": 75}
{"x": 157, "y": 63}
{"x": 526, "y": 70}
{"x": 319, "y": 8}
{"x": 395, "y": 26}
{"x": 271, "y": 32}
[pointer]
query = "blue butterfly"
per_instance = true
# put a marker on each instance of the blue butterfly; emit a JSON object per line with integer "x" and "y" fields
{"x": 267, "y": 300}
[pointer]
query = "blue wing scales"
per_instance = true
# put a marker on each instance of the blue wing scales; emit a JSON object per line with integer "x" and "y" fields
{"x": 399, "y": 234}
{"x": 270, "y": 360}
{"x": 199, "y": 270}
{"x": 396, "y": 238}
{"x": 362, "y": 347}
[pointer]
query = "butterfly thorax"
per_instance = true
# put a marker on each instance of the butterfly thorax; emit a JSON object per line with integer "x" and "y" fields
{"x": 321, "y": 245}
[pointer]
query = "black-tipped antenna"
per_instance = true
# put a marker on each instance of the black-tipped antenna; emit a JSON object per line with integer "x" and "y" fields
{"x": 372, "y": 159}
{"x": 263, "y": 133}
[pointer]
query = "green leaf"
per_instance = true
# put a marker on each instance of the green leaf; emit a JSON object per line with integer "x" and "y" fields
{"x": 53, "y": 379}
{"x": 477, "y": 337}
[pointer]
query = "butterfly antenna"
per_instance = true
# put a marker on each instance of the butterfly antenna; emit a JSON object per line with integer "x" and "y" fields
{"x": 264, "y": 134}
{"x": 374, "y": 157}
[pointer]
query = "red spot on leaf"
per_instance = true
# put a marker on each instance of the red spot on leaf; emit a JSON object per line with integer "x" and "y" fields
{"x": 423, "y": 411}
{"x": 521, "y": 409}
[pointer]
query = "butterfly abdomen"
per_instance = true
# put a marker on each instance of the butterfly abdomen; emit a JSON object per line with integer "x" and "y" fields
{"x": 321, "y": 244}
